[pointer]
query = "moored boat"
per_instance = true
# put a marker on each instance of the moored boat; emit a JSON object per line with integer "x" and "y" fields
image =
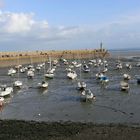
{"x": 5, "y": 91}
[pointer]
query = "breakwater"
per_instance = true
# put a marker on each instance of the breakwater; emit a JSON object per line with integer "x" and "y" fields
{"x": 14, "y": 58}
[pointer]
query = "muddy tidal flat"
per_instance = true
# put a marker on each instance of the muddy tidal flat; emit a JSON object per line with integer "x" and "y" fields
{"x": 62, "y": 101}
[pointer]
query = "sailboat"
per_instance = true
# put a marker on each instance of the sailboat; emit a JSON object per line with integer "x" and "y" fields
{"x": 72, "y": 74}
{"x": 105, "y": 65}
{"x": 119, "y": 64}
{"x": 81, "y": 84}
{"x": 11, "y": 71}
{"x": 44, "y": 84}
{"x": 50, "y": 71}
{"x": 5, "y": 91}
{"x": 30, "y": 71}
{"x": 17, "y": 83}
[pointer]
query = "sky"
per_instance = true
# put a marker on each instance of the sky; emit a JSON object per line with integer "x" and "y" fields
{"x": 69, "y": 24}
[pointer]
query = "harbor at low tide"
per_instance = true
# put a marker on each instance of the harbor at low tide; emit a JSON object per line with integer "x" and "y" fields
{"x": 62, "y": 102}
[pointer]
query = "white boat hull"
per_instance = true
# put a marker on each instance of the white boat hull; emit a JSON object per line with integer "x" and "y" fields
{"x": 49, "y": 75}
{"x": 71, "y": 75}
{"x": 6, "y": 92}
{"x": 43, "y": 85}
{"x": 18, "y": 84}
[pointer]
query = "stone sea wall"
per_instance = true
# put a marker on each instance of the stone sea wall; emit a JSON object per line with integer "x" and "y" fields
{"x": 14, "y": 58}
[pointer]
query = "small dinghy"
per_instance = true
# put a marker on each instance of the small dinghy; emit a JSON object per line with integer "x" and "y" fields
{"x": 17, "y": 84}
{"x": 104, "y": 79}
{"x": 86, "y": 69}
{"x": 81, "y": 85}
{"x": 43, "y": 84}
{"x": 38, "y": 67}
{"x": 72, "y": 75}
{"x": 87, "y": 95}
{"x": 126, "y": 77}
{"x": 23, "y": 69}
{"x": 128, "y": 66}
{"x": 105, "y": 70}
{"x": 99, "y": 75}
{"x": 124, "y": 86}
{"x": 119, "y": 65}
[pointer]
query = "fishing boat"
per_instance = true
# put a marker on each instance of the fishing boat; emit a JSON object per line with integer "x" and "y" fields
{"x": 5, "y": 91}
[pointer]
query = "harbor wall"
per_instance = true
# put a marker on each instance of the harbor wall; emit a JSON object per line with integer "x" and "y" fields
{"x": 15, "y": 58}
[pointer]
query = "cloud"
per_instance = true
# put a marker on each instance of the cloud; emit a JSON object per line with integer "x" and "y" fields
{"x": 15, "y": 22}
{"x": 19, "y": 22}
{"x": 21, "y": 29}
